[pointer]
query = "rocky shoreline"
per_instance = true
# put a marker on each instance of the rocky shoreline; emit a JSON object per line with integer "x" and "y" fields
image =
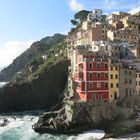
{"x": 121, "y": 121}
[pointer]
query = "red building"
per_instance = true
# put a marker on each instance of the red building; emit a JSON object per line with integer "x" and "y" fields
{"x": 92, "y": 78}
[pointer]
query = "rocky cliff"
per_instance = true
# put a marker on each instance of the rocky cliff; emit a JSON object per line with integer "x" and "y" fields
{"x": 41, "y": 93}
{"x": 76, "y": 117}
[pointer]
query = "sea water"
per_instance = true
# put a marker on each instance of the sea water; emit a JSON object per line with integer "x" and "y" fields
{"x": 2, "y": 84}
{"x": 19, "y": 127}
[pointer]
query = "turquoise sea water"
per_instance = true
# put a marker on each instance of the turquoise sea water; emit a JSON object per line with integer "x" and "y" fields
{"x": 19, "y": 127}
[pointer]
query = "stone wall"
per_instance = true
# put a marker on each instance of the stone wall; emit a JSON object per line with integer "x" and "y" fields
{"x": 94, "y": 112}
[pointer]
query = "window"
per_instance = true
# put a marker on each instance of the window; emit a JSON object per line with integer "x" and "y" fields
{"x": 111, "y": 76}
{"x": 129, "y": 72}
{"x": 116, "y": 68}
{"x": 134, "y": 26}
{"x": 116, "y": 76}
{"x": 130, "y": 81}
{"x": 139, "y": 83}
{"x": 125, "y": 71}
{"x": 117, "y": 85}
{"x": 90, "y": 85}
{"x": 139, "y": 75}
{"x": 94, "y": 97}
{"x": 98, "y": 66}
{"x": 90, "y": 75}
{"x": 111, "y": 68}
{"x": 90, "y": 66}
{"x": 126, "y": 92}
{"x": 105, "y": 75}
{"x": 111, "y": 85}
{"x": 98, "y": 84}
{"x": 130, "y": 91}
{"x": 136, "y": 83}
{"x": 106, "y": 65}
{"x": 98, "y": 75}
{"x": 125, "y": 80}
{"x": 99, "y": 96}
{"x": 106, "y": 85}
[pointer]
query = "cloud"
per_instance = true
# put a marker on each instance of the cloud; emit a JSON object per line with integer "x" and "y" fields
{"x": 11, "y": 50}
{"x": 75, "y": 5}
{"x": 134, "y": 10}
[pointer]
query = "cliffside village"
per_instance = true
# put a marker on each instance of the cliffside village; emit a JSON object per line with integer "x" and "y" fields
{"x": 105, "y": 57}
{"x": 104, "y": 76}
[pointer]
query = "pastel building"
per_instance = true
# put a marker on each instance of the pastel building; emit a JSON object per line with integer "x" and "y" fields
{"x": 114, "y": 81}
{"x": 138, "y": 83}
{"x": 114, "y": 17}
{"x": 95, "y": 14}
{"x": 92, "y": 78}
{"x": 127, "y": 81}
{"x": 99, "y": 32}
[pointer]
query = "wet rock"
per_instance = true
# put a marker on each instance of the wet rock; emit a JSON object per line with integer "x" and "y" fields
{"x": 78, "y": 117}
{"x": 5, "y": 122}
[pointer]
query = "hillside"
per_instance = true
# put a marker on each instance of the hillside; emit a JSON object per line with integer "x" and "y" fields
{"x": 40, "y": 93}
{"x": 36, "y": 50}
{"x": 36, "y": 82}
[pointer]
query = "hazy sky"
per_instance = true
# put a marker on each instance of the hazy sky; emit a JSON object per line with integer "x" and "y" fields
{"x": 25, "y": 21}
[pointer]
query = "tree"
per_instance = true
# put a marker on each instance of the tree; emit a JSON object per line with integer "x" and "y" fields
{"x": 74, "y": 22}
{"x": 81, "y": 15}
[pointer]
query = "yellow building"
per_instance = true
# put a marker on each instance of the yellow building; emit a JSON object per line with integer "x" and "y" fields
{"x": 132, "y": 20}
{"x": 114, "y": 81}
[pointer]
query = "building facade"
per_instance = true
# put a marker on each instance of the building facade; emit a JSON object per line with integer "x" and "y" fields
{"x": 92, "y": 78}
{"x": 138, "y": 83}
{"x": 127, "y": 86}
{"x": 114, "y": 82}
{"x": 95, "y": 14}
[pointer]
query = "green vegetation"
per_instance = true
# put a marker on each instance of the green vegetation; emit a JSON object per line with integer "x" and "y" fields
{"x": 74, "y": 22}
{"x": 79, "y": 17}
{"x": 32, "y": 57}
{"x": 54, "y": 54}
{"x": 37, "y": 61}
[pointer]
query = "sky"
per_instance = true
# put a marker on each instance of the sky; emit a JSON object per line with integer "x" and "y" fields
{"x": 24, "y": 21}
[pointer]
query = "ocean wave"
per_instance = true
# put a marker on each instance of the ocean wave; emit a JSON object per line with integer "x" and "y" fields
{"x": 20, "y": 128}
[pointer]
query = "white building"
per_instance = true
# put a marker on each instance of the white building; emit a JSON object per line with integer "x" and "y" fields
{"x": 95, "y": 14}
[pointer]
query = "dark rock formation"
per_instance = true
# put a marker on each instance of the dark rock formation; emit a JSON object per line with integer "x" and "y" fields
{"x": 76, "y": 117}
{"x": 4, "y": 123}
{"x": 40, "y": 93}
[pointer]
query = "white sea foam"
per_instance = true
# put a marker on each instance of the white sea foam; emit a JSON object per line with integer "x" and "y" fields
{"x": 95, "y": 134}
{"x": 2, "y": 84}
{"x": 20, "y": 128}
